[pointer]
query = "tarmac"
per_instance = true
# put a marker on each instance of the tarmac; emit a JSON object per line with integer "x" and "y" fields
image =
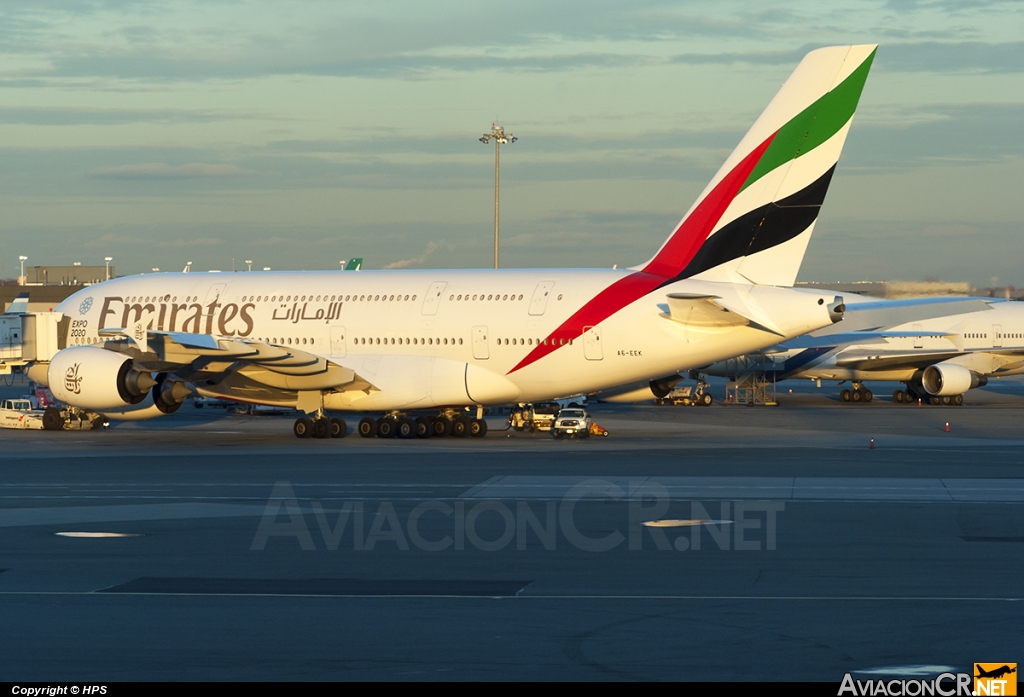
{"x": 694, "y": 543}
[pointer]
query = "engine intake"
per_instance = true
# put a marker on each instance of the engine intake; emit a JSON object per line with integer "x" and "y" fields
{"x": 96, "y": 379}
{"x": 947, "y": 379}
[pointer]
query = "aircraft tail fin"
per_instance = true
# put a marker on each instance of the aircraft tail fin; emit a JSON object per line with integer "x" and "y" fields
{"x": 753, "y": 221}
{"x": 19, "y": 305}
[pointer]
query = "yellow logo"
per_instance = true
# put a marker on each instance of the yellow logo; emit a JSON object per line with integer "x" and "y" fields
{"x": 995, "y": 679}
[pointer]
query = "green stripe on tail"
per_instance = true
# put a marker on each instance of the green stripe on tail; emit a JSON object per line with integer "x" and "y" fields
{"x": 815, "y": 124}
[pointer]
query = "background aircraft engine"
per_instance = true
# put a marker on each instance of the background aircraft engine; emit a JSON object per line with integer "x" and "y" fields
{"x": 169, "y": 394}
{"x": 96, "y": 379}
{"x": 944, "y": 379}
{"x": 660, "y": 388}
{"x": 655, "y": 389}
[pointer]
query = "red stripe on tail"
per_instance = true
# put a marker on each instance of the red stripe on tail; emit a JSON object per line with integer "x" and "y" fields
{"x": 696, "y": 227}
{"x": 670, "y": 260}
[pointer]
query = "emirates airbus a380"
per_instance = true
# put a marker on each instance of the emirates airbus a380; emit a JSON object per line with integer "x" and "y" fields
{"x": 399, "y": 341}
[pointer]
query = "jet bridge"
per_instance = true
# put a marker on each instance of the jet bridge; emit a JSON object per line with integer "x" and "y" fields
{"x": 30, "y": 337}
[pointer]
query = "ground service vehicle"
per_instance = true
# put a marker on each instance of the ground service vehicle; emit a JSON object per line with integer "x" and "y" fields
{"x": 574, "y": 423}
{"x": 19, "y": 414}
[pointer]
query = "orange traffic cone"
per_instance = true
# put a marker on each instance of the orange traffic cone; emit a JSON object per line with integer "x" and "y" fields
{"x": 872, "y": 446}
{"x": 947, "y": 427}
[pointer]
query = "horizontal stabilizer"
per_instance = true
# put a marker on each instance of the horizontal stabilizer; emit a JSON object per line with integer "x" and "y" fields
{"x": 697, "y": 310}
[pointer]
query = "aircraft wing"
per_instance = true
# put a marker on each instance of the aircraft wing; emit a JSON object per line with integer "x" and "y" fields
{"x": 249, "y": 368}
{"x": 881, "y": 359}
{"x": 875, "y": 314}
{"x": 843, "y": 338}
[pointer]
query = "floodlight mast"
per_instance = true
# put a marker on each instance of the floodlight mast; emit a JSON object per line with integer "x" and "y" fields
{"x": 500, "y": 137}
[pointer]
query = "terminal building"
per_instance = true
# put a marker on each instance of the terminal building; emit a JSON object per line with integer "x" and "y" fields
{"x": 48, "y": 286}
{"x": 75, "y": 275}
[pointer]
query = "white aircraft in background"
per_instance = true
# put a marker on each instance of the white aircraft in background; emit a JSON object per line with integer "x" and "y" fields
{"x": 397, "y": 341}
{"x": 938, "y": 347}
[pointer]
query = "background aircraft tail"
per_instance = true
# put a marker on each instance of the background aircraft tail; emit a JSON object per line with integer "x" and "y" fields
{"x": 753, "y": 221}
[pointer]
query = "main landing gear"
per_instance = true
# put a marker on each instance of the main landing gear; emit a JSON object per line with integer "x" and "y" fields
{"x": 909, "y": 396}
{"x": 320, "y": 426}
{"x": 399, "y": 425}
{"x": 858, "y": 394}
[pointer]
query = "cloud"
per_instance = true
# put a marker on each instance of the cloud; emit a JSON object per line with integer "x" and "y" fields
{"x": 943, "y": 56}
{"x": 161, "y": 170}
{"x": 38, "y": 116}
{"x": 421, "y": 259}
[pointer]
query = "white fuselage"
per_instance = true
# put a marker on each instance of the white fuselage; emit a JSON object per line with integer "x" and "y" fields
{"x": 510, "y": 323}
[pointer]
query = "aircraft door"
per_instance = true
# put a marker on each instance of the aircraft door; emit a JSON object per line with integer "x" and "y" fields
{"x": 918, "y": 340}
{"x": 592, "y": 343}
{"x": 480, "y": 343}
{"x": 213, "y": 295}
{"x": 433, "y": 298}
{"x": 539, "y": 301}
{"x": 337, "y": 341}
{"x": 997, "y": 335}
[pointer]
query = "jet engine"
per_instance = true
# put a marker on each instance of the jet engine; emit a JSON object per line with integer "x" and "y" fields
{"x": 96, "y": 379}
{"x": 655, "y": 389}
{"x": 169, "y": 394}
{"x": 944, "y": 379}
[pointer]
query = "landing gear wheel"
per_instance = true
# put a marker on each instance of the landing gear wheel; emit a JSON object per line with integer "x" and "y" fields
{"x": 958, "y": 400}
{"x": 856, "y": 396}
{"x": 52, "y": 420}
{"x": 424, "y": 428}
{"x": 946, "y": 400}
{"x": 321, "y": 428}
{"x": 442, "y": 426}
{"x": 405, "y": 428}
{"x": 897, "y": 396}
{"x": 303, "y": 428}
{"x": 935, "y": 401}
{"x": 386, "y": 428}
{"x": 706, "y": 399}
{"x": 868, "y": 396}
{"x": 339, "y": 429}
{"x": 368, "y": 427}
{"x": 844, "y": 396}
{"x": 478, "y": 428}
{"x": 460, "y": 429}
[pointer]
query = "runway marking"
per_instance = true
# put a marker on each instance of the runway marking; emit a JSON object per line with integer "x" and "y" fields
{"x": 97, "y": 534}
{"x": 782, "y": 598}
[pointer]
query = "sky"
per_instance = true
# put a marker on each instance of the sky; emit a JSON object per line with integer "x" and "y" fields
{"x": 300, "y": 134}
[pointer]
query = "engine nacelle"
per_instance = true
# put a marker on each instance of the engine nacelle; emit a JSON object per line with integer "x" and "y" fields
{"x": 146, "y": 409}
{"x": 947, "y": 379}
{"x": 655, "y": 389}
{"x": 168, "y": 394}
{"x": 96, "y": 379}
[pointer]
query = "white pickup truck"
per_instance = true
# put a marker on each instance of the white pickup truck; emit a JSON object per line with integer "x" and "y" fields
{"x": 18, "y": 413}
